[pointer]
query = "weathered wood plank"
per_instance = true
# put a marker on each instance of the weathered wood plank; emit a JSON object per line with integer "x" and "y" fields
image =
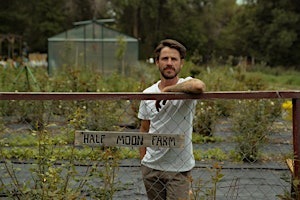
{"x": 146, "y": 96}
{"x": 110, "y": 138}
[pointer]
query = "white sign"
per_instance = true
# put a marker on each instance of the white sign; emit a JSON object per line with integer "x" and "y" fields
{"x": 110, "y": 138}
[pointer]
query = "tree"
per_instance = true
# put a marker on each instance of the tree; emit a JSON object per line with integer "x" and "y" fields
{"x": 212, "y": 18}
{"x": 195, "y": 23}
{"x": 269, "y": 31}
{"x": 12, "y": 25}
{"x": 12, "y": 17}
{"x": 46, "y": 18}
{"x": 211, "y": 29}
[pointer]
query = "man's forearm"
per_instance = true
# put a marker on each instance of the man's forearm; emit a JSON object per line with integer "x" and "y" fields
{"x": 145, "y": 124}
{"x": 191, "y": 86}
{"x": 142, "y": 152}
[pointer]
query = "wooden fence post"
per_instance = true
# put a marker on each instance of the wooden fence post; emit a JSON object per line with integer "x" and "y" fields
{"x": 296, "y": 144}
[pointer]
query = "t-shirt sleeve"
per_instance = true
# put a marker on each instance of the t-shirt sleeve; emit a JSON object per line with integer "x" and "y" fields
{"x": 186, "y": 79}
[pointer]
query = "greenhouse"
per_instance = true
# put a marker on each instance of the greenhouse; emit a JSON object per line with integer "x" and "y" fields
{"x": 92, "y": 46}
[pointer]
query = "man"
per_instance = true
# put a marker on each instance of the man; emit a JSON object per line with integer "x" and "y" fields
{"x": 167, "y": 171}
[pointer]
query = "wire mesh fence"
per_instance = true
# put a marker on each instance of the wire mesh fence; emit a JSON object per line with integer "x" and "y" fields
{"x": 240, "y": 149}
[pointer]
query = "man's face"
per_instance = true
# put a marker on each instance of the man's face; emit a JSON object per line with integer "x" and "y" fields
{"x": 169, "y": 63}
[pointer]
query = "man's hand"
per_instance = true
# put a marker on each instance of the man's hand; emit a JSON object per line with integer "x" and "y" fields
{"x": 157, "y": 104}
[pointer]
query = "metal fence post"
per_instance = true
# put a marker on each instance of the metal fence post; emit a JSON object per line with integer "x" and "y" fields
{"x": 296, "y": 140}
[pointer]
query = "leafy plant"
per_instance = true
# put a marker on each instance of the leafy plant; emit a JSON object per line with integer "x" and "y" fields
{"x": 205, "y": 118}
{"x": 108, "y": 161}
{"x": 253, "y": 121}
{"x": 199, "y": 139}
{"x": 204, "y": 190}
{"x": 212, "y": 153}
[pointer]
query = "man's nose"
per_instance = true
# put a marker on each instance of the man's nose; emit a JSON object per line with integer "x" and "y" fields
{"x": 169, "y": 62}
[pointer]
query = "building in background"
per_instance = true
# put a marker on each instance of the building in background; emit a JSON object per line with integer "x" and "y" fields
{"x": 92, "y": 46}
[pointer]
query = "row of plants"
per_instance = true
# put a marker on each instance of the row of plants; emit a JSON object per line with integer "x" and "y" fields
{"x": 53, "y": 170}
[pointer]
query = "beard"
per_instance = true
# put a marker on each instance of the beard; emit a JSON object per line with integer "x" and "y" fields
{"x": 167, "y": 75}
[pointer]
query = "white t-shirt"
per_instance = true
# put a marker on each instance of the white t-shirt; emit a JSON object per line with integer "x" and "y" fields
{"x": 175, "y": 117}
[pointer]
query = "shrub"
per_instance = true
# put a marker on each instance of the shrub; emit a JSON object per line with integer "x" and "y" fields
{"x": 205, "y": 118}
{"x": 252, "y": 120}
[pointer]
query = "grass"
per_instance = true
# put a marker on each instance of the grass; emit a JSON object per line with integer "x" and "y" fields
{"x": 287, "y": 81}
{"x": 277, "y": 78}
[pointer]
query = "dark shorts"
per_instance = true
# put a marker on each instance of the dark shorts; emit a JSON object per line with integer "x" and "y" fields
{"x": 163, "y": 185}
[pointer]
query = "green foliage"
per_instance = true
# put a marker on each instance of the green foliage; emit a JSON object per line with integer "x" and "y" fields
{"x": 277, "y": 22}
{"x": 63, "y": 152}
{"x": 257, "y": 77}
{"x": 266, "y": 30}
{"x": 205, "y": 118}
{"x": 253, "y": 121}
{"x": 202, "y": 189}
{"x": 54, "y": 173}
{"x": 52, "y": 177}
{"x": 73, "y": 80}
{"x": 211, "y": 154}
{"x": 199, "y": 139}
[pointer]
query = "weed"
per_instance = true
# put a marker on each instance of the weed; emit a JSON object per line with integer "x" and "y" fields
{"x": 202, "y": 190}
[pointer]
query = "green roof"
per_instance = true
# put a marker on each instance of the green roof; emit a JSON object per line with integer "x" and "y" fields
{"x": 93, "y": 31}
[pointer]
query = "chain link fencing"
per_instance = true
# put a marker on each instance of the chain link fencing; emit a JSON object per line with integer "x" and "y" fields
{"x": 240, "y": 148}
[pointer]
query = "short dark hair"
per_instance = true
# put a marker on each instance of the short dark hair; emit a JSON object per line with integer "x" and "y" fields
{"x": 172, "y": 44}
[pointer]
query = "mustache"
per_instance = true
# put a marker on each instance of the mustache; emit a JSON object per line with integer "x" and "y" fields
{"x": 169, "y": 67}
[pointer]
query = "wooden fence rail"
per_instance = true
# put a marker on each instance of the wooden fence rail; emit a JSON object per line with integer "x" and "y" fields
{"x": 143, "y": 96}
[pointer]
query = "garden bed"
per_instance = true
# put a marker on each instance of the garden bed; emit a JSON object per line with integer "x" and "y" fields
{"x": 264, "y": 179}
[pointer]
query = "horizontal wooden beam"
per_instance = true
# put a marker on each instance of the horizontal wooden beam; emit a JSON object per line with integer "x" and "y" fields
{"x": 148, "y": 96}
